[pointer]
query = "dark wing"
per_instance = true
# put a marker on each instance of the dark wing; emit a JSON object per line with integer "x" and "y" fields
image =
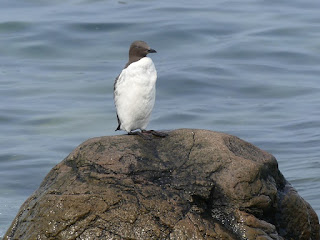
{"x": 114, "y": 90}
{"x": 119, "y": 124}
{"x": 115, "y": 83}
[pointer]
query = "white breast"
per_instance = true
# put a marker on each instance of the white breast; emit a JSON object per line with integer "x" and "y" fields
{"x": 135, "y": 94}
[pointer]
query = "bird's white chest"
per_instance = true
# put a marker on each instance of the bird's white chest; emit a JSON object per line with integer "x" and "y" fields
{"x": 138, "y": 80}
{"x": 140, "y": 75}
{"x": 135, "y": 94}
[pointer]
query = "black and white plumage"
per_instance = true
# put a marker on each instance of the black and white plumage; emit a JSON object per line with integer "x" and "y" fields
{"x": 135, "y": 89}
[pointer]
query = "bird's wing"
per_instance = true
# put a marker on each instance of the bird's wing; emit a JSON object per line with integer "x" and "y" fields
{"x": 114, "y": 96}
{"x": 115, "y": 83}
{"x": 119, "y": 124}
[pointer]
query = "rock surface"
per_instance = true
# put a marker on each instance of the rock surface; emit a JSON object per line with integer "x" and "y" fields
{"x": 193, "y": 184}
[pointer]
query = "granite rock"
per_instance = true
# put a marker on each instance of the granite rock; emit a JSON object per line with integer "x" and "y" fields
{"x": 193, "y": 184}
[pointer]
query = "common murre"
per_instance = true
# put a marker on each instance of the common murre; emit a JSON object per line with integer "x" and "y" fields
{"x": 135, "y": 91}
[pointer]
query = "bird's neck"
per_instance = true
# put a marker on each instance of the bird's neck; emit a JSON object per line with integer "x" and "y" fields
{"x": 132, "y": 59}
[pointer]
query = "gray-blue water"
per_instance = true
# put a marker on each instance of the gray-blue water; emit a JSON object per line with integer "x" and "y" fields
{"x": 250, "y": 68}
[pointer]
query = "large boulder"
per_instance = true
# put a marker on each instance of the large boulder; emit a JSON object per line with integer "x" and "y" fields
{"x": 193, "y": 184}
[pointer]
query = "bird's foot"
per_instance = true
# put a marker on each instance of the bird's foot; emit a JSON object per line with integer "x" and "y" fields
{"x": 145, "y": 136}
{"x": 155, "y": 133}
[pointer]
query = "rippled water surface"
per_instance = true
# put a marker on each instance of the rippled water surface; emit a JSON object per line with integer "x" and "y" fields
{"x": 248, "y": 68}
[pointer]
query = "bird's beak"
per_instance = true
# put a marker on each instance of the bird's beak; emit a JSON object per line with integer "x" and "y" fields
{"x": 151, "y": 50}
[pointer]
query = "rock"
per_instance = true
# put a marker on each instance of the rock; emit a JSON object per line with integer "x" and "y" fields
{"x": 193, "y": 184}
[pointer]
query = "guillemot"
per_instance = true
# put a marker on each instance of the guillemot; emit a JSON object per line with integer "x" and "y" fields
{"x": 135, "y": 91}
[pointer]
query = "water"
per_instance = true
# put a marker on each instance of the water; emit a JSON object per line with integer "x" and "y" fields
{"x": 248, "y": 68}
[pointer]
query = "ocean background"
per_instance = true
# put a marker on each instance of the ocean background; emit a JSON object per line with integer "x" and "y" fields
{"x": 250, "y": 68}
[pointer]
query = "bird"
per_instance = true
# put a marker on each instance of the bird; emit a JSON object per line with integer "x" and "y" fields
{"x": 135, "y": 91}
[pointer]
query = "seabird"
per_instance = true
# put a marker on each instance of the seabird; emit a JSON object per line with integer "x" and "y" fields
{"x": 135, "y": 91}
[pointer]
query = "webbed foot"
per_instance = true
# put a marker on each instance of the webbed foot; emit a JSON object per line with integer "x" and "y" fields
{"x": 145, "y": 136}
{"x": 155, "y": 133}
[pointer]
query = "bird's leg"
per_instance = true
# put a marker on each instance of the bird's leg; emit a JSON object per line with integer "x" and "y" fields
{"x": 155, "y": 133}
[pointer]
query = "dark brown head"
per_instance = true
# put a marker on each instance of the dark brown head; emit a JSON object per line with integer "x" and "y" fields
{"x": 138, "y": 50}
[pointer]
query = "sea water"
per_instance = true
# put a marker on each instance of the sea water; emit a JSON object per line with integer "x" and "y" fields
{"x": 249, "y": 68}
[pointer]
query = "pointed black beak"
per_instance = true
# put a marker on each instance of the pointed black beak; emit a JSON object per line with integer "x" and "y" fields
{"x": 151, "y": 50}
